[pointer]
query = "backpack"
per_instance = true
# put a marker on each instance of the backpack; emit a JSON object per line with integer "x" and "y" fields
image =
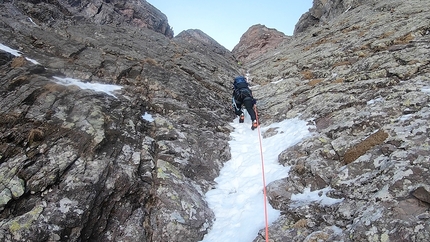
{"x": 240, "y": 82}
{"x": 241, "y": 89}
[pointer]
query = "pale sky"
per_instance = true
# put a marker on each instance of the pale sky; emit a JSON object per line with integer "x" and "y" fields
{"x": 227, "y": 20}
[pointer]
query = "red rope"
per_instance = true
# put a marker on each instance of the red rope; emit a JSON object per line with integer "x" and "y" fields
{"x": 264, "y": 179}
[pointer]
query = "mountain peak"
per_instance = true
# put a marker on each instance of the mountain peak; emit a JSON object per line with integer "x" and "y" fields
{"x": 257, "y": 40}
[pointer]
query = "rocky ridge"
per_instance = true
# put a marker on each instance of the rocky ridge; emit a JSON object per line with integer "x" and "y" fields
{"x": 80, "y": 165}
{"x": 257, "y": 40}
{"x": 324, "y": 11}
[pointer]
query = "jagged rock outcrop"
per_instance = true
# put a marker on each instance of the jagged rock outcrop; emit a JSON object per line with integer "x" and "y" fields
{"x": 203, "y": 43}
{"x": 257, "y": 40}
{"x": 323, "y": 11}
{"x": 56, "y": 13}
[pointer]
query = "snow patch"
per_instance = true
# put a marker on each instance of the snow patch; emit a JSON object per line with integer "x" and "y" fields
{"x": 98, "y": 87}
{"x": 318, "y": 196}
{"x": 147, "y": 117}
{"x": 16, "y": 53}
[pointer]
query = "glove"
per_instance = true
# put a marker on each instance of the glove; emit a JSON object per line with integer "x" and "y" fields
{"x": 254, "y": 101}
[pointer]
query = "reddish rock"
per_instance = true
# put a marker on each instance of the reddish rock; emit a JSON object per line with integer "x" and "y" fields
{"x": 256, "y": 41}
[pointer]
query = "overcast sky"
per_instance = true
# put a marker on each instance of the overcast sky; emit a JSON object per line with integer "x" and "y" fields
{"x": 227, "y": 20}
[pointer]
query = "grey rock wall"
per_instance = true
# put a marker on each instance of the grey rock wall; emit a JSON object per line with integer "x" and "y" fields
{"x": 323, "y": 11}
{"x": 363, "y": 80}
{"x": 81, "y": 165}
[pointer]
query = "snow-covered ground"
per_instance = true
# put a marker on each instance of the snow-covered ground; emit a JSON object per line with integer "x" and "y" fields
{"x": 238, "y": 199}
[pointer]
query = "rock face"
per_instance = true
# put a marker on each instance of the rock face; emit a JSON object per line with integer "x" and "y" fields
{"x": 81, "y": 165}
{"x": 84, "y": 165}
{"x": 136, "y": 13}
{"x": 257, "y": 40}
{"x": 324, "y": 11}
{"x": 363, "y": 80}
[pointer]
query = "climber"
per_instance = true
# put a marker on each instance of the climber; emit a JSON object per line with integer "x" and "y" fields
{"x": 242, "y": 95}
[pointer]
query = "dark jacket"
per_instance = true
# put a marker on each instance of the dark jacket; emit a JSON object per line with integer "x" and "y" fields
{"x": 242, "y": 91}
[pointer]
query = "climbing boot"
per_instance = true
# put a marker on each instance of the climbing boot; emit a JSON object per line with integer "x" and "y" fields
{"x": 254, "y": 125}
{"x": 242, "y": 118}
